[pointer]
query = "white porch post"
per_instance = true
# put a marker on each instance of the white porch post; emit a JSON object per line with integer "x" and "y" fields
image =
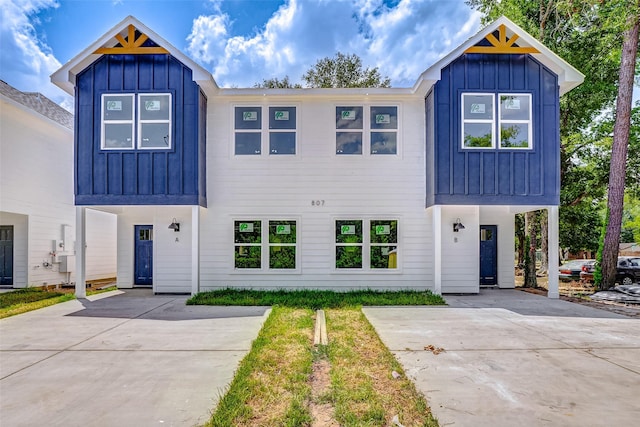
{"x": 437, "y": 249}
{"x": 81, "y": 243}
{"x": 195, "y": 250}
{"x": 554, "y": 244}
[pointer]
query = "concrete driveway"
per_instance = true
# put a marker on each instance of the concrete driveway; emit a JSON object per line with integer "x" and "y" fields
{"x": 516, "y": 359}
{"x": 121, "y": 359}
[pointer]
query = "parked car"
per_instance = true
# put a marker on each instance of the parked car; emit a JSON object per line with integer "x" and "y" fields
{"x": 586, "y": 275}
{"x": 570, "y": 271}
{"x": 627, "y": 271}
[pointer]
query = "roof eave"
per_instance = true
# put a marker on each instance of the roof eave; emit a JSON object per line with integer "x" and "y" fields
{"x": 568, "y": 76}
{"x": 65, "y": 77}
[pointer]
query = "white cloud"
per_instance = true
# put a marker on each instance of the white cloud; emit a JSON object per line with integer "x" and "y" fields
{"x": 402, "y": 40}
{"x": 32, "y": 60}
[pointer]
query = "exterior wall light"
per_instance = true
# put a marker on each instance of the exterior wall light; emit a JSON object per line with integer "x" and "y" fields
{"x": 175, "y": 225}
{"x": 457, "y": 226}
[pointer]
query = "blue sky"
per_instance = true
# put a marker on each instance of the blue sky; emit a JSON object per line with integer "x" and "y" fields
{"x": 240, "y": 41}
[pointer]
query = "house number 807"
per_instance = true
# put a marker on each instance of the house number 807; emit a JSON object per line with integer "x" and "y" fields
{"x": 317, "y": 203}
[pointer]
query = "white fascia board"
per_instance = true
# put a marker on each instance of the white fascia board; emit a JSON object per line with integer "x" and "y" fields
{"x": 332, "y": 92}
{"x": 65, "y": 77}
{"x": 568, "y": 76}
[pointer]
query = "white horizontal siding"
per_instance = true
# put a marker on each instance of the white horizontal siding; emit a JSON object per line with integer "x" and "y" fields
{"x": 272, "y": 187}
{"x": 461, "y": 250}
{"x": 171, "y": 258}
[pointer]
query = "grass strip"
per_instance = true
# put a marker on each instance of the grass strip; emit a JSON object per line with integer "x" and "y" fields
{"x": 314, "y": 299}
{"x": 29, "y": 299}
{"x": 363, "y": 390}
{"x": 270, "y": 385}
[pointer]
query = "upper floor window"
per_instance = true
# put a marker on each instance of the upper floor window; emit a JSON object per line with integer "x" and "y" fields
{"x": 511, "y": 126}
{"x": 140, "y": 121}
{"x": 375, "y": 127}
{"x": 250, "y": 136}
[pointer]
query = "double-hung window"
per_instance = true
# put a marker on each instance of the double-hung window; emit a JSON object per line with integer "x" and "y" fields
{"x": 371, "y": 247}
{"x": 507, "y": 125}
{"x": 252, "y": 253}
{"x": 373, "y": 130}
{"x": 132, "y": 121}
{"x": 252, "y": 131}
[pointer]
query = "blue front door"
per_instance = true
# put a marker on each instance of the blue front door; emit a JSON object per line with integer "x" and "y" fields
{"x": 488, "y": 255}
{"x": 144, "y": 255}
{"x": 6, "y": 255}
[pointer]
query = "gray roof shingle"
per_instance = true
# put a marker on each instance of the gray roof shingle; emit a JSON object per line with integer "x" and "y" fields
{"x": 38, "y": 103}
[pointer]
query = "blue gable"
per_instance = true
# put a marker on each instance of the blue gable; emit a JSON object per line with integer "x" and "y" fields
{"x": 140, "y": 176}
{"x": 496, "y": 175}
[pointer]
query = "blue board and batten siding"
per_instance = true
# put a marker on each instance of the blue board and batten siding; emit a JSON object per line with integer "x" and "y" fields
{"x": 140, "y": 177}
{"x": 457, "y": 176}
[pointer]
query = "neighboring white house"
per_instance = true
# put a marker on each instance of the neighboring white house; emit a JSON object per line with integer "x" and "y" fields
{"x": 37, "y": 214}
{"x": 386, "y": 188}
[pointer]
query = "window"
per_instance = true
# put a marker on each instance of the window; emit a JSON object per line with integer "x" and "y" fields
{"x": 480, "y": 127}
{"x": 117, "y": 121}
{"x": 145, "y": 234}
{"x": 280, "y": 252}
{"x": 349, "y": 122}
{"x": 282, "y": 244}
{"x": 384, "y": 126}
{"x": 120, "y": 115}
{"x": 249, "y": 135}
{"x": 375, "y": 247}
{"x": 248, "y": 247}
{"x": 282, "y": 121}
{"x": 478, "y": 121}
{"x": 349, "y": 244}
{"x": 378, "y": 130}
{"x": 384, "y": 244}
{"x": 154, "y": 123}
{"x": 515, "y": 121}
{"x": 248, "y": 125}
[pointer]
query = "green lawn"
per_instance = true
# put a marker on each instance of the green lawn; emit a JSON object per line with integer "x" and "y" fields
{"x": 29, "y": 299}
{"x": 276, "y": 383}
{"x": 315, "y": 299}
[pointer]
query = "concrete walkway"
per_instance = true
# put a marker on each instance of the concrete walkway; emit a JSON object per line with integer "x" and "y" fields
{"x": 121, "y": 359}
{"x": 516, "y": 359}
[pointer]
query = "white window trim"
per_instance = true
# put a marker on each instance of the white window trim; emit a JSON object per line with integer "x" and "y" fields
{"x": 366, "y": 245}
{"x": 367, "y": 130}
{"x": 136, "y": 122}
{"x": 529, "y": 122}
{"x": 265, "y": 245}
{"x": 141, "y": 121}
{"x": 491, "y": 121}
{"x": 103, "y": 122}
{"x": 264, "y": 131}
{"x": 496, "y": 121}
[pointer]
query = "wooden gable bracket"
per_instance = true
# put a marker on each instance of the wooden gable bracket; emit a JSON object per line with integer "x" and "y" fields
{"x": 130, "y": 45}
{"x": 503, "y": 45}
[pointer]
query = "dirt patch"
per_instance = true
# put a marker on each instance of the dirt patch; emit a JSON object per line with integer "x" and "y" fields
{"x": 611, "y": 306}
{"x": 320, "y": 382}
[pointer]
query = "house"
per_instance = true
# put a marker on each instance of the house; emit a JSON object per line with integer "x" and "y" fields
{"x": 381, "y": 188}
{"x": 37, "y": 212}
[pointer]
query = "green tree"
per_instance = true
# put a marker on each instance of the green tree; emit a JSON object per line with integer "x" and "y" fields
{"x": 621, "y": 132}
{"x": 588, "y": 35}
{"x": 343, "y": 71}
{"x": 276, "y": 83}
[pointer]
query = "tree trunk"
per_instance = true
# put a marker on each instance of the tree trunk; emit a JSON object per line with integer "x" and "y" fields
{"x": 544, "y": 242}
{"x": 520, "y": 235}
{"x": 530, "y": 227}
{"x": 617, "y": 169}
